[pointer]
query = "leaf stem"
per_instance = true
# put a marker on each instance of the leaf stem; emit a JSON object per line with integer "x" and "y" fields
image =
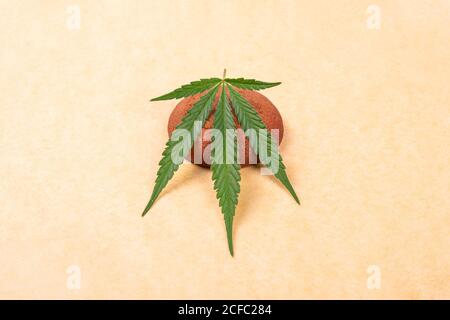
{"x": 224, "y": 74}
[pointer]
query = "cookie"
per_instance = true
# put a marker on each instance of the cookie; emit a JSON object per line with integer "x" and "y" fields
{"x": 265, "y": 108}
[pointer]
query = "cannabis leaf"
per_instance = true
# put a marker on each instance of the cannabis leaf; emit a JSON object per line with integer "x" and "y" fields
{"x": 224, "y": 154}
{"x": 250, "y": 119}
{"x": 189, "y": 89}
{"x": 199, "y": 112}
{"x": 224, "y": 166}
{"x": 251, "y": 84}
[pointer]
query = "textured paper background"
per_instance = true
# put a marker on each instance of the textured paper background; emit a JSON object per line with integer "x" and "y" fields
{"x": 366, "y": 145}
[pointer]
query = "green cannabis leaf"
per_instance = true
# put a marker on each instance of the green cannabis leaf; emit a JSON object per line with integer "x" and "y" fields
{"x": 250, "y": 119}
{"x": 189, "y": 89}
{"x": 199, "y": 112}
{"x": 224, "y": 155}
{"x": 251, "y": 84}
{"x": 224, "y": 165}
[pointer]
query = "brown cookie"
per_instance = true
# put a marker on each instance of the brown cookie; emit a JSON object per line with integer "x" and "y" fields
{"x": 266, "y": 110}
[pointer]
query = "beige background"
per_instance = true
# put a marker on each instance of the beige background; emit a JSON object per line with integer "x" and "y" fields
{"x": 367, "y": 148}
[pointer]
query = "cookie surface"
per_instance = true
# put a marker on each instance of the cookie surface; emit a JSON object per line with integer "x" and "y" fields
{"x": 265, "y": 108}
